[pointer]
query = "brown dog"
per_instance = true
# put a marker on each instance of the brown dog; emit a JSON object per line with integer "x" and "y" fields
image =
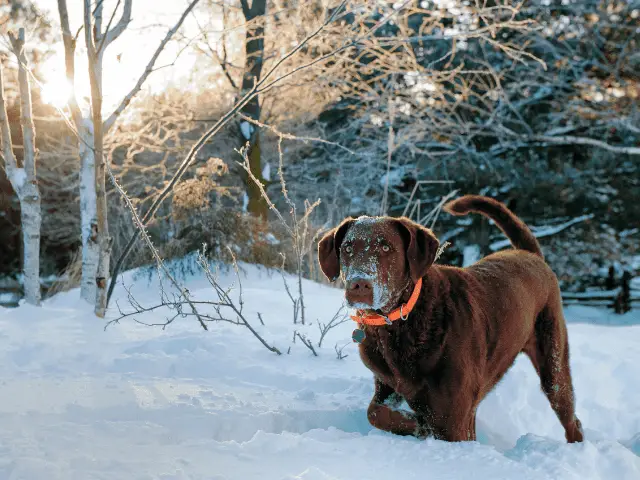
{"x": 466, "y": 328}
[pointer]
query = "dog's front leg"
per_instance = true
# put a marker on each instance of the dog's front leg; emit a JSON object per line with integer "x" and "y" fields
{"x": 447, "y": 417}
{"x": 383, "y": 417}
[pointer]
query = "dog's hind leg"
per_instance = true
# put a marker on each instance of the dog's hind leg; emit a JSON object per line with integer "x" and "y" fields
{"x": 549, "y": 353}
{"x": 382, "y": 416}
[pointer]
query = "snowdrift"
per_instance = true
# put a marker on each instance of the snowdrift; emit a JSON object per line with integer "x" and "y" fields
{"x": 134, "y": 402}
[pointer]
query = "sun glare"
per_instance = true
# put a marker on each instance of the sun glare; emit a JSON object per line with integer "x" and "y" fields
{"x": 56, "y": 92}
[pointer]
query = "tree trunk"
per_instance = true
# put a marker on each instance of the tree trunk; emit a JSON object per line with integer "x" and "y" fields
{"x": 95, "y": 42}
{"x": 88, "y": 220}
{"x": 254, "y": 56}
{"x": 30, "y": 195}
{"x": 31, "y": 219}
{"x": 103, "y": 237}
{"x": 23, "y": 179}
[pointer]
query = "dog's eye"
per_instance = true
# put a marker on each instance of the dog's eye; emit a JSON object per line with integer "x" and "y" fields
{"x": 385, "y": 248}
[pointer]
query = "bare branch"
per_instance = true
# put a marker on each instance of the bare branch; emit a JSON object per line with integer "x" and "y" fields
{"x": 5, "y": 131}
{"x": 225, "y": 298}
{"x": 339, "y": 354}
{"x": 88, "y": 38}
{"x": 592, "y": 142}
{"x": 290, "y": 136}
{"x": 69, "y": 41}
{"x": 112, "y": 34}
{"x": 307, "y": 343}
{"x": 334, "y": 322}
{"x": 159, "y": 262}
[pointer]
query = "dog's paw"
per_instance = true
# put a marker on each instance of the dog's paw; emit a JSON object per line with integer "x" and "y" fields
{"x": 423, "y": 430}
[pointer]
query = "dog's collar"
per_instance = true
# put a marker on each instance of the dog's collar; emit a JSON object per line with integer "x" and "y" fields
{"x": 401, "y": 312}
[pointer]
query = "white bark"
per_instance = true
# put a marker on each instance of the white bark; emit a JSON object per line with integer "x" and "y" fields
{"x": 31, "y": 222}
{"x": 23, "y": 179}
{"x": 88, "y": 220}
{"x": 93, "y": 38}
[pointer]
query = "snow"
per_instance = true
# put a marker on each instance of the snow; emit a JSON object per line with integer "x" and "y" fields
{"x": 245, "y": 201}
{"x": 393, "y": 178}
{"x": 8, "y": 298}
{"x": 470, "y": 255}
{"x": 266, "y": 172}
{"x": 134, "y": 402}
{"x": 246, "y": 129}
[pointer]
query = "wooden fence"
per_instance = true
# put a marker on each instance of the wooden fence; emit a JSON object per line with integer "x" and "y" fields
{"x": 621, "y": 298}
{"x": 11, "y": 291}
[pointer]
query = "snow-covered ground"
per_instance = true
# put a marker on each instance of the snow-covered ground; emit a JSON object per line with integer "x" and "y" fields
{"x": 134, "y": 402}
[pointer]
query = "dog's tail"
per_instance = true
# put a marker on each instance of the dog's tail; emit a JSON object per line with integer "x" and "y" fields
{"x": 515, "y": 229}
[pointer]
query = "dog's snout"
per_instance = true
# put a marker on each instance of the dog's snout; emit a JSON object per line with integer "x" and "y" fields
{"x": 360, "y": 290}
{"x": 360, "y": 285}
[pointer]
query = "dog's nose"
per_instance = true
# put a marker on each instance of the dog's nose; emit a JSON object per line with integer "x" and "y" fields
{"x": 360, "y": 290}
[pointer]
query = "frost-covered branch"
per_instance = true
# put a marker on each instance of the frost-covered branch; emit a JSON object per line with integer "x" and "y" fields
{"x": 184, "y": 293}
{"x": 339, "y": 350}
{"x": 298, "y": 228}
{"x": 338, "y": 319}
{"x": 180, "y": 305}
{"x": 583, "y": 141}
{"x": 306, "y": 342}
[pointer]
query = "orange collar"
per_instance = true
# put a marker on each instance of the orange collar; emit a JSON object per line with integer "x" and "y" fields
{"x": 402, "y": 312}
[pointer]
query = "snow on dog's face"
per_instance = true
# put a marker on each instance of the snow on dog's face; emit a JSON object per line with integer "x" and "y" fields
{"x": 377, "y": 258}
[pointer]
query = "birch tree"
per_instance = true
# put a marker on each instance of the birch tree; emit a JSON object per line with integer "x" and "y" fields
{"x": 23, "y": 175}
{"x": 91, "y": 130}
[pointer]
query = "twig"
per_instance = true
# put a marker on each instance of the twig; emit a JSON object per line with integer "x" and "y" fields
{"x": 339, "y": 353}
{"x": 308, "y": 343}
{"x": 286, "y": 287}
{"x": 225, "y": 298}
{"x": 334, "y": 322}
{"x": 572, "y": 140}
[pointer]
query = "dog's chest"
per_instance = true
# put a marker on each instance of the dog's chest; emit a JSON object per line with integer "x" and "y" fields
{"x": 394, "y": 357}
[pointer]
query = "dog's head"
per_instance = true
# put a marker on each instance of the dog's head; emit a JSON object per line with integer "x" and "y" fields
{"x": 378, "y": 258}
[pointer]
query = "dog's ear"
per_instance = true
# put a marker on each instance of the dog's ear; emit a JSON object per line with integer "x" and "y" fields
{"x": 421, "y": 246}
{"x": 329, "y": 249}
